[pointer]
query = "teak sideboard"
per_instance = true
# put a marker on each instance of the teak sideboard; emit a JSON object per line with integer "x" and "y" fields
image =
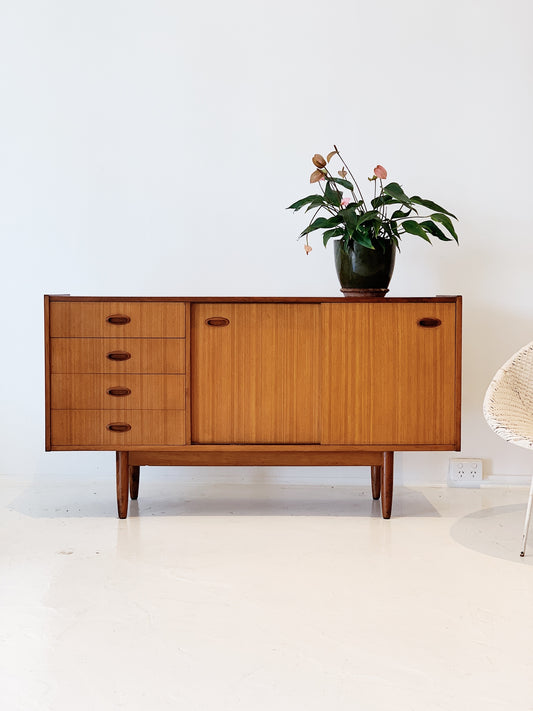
{"x": 253, "y": 381}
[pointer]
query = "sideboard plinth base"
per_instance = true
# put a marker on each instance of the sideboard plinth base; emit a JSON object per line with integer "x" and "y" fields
{"x": 381, "y": 466}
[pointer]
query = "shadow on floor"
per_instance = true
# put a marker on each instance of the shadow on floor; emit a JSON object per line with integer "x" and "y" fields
{"x": 167, "y": 498}
{"x": 496, "y": 532}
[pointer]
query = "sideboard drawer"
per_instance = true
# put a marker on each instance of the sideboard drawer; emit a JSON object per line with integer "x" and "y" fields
{"x": 117, "y": 428}
{"x": 112, "y": 319}
{"x": 87, "y": 391}
{"x": 117, "y": 355}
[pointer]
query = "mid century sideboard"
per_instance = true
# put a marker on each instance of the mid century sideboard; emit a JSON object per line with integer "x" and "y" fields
{"x": 253, "y": 381}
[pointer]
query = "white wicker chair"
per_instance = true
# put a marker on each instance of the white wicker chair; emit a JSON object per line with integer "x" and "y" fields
{"x": 508, "y": 409}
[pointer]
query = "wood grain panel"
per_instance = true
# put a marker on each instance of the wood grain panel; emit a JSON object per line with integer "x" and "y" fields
{"x": 196, "y": 456}
{"x": 86, "y": 391}
{"x": 256, "y": 380}
{"x": 88, "y": 319}
{"x": 386, "y": 379}
{"x": 89, "y": 355}
{"x": 90, "y": 427}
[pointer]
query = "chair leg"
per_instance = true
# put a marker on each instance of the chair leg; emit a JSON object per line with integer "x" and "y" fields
{"x": 528, "y": 516}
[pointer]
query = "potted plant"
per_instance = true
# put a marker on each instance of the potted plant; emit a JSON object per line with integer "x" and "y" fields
{"x": 367, "y": 234}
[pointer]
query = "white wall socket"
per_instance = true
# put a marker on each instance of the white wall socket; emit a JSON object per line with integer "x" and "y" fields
{"x": 466, "y": 473}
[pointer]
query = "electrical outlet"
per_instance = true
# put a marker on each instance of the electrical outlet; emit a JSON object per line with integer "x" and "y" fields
{"x": 465, "y": 473}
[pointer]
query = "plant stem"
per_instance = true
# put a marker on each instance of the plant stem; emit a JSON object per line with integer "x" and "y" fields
{"x": 380, "y": 195}
{"x": 316, "y": 213}
{"x": 352, "y": 177}
{"x": 413, "y": 217}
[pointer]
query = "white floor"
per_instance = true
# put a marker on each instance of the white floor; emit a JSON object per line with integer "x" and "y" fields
{"x": 262, "y": 598}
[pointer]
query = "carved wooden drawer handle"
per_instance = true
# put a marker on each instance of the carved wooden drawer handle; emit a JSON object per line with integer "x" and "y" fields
{"x": 217, "y": 321}
{"x": 429, "y": 322}
{"x": 118, "y": 427}
{"x": 119, "y": 355}
{"x": 118, "y": 319}
{"x": 118, "y": 392}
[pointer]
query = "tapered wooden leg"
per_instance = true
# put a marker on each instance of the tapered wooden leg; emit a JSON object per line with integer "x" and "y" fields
{"x": 134, "y": 482}
{"x": 376, "y": 482}
{"x": 123, "y": 481}
{"x": 387, "y": 477}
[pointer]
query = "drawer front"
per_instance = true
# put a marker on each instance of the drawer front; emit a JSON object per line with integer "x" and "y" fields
{"x": 85, "y": 391}
{"x": 117, "y": 355}
{"x": 117, "y": 319}
{"x": 93, "y": 428}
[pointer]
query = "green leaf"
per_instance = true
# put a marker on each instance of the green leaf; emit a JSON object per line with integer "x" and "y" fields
{"x": 435, "y": 231}
{"x": 318, "y": 202}
{"x": 305, "y": 201}
{"x": 322, "y": 223}
{"x": 364, "y": 239}
{"x": 314, "y": 205}
{"x": 415, "y": 229}
{"x": 430, "y": 205}
{"x": 397, "y": 214}
{"x": 355, "y": 204}
{"x": 345, "y": 183}
{"x": 349, "y": 215}
{"x": 372, "y": 215}
{"x": 332, "y": 195}
{"x": 381, "y": 200}
{"x": 444, "y": 220}
{"x": 328, "y": 234}
{"x": 395, "y": 191}
{"x": 392, "y": 232}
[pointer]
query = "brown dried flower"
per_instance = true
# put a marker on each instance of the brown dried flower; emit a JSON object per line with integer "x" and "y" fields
{"x": 319, "y": 161}
{"x": 316, "y": 176}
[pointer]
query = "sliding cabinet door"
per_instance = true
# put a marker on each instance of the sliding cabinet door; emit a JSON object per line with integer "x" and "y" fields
{"x": 255, "y": 373}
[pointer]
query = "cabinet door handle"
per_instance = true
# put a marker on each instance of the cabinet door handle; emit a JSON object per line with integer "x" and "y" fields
{"x": 118, "y": 319}
{"x": 217, "y": 321}
{"x": 118, "y": 392}
{"x": 118, "y": 427}
{"x": 429, "y": 322}
{"x": 119, "y": 355}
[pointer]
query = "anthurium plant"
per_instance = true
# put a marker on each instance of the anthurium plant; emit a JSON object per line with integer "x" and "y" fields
{"x": 386, "y": 216}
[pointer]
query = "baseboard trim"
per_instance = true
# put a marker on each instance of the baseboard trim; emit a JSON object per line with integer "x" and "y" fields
{"x": 498, "y": 480}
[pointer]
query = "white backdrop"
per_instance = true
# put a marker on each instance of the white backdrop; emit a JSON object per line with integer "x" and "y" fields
{"x": 150, "y": 147}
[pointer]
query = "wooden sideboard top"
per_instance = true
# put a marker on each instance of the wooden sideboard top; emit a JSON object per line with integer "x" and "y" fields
{"x": 263, "y": 299}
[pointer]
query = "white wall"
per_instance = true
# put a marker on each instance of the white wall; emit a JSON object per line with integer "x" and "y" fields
{"x": 149, "y": 147}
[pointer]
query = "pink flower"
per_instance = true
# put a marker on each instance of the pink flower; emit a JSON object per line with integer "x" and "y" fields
{"x": 380, "y": 172}
{"x": 345, "y": 201}
{"x": 308, "y": 248}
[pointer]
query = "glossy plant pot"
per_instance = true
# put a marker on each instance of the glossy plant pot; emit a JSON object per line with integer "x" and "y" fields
{"x": 362, "y": 271}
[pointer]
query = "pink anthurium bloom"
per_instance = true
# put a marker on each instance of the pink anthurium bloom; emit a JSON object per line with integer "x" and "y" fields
{"x": 308, "y": 248}
{"x": 380, "y": 172}
{"x": 345, "y": 201}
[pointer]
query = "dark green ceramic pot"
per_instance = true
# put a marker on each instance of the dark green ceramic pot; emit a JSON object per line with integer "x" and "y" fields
{"x": 364, "y": 270}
